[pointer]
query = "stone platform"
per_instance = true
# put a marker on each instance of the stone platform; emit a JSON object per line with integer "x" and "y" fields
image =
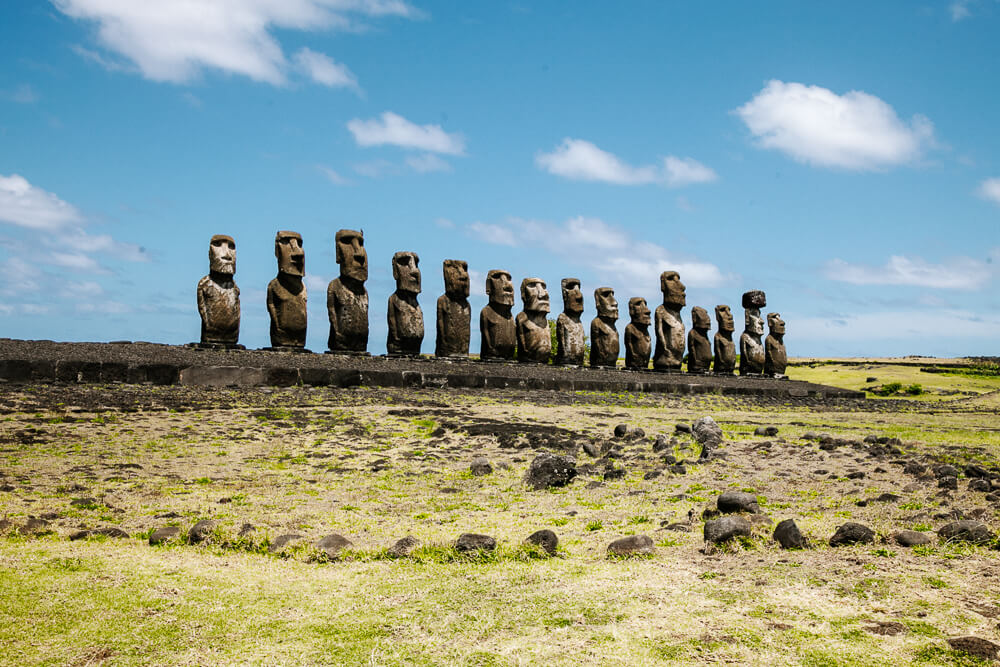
{"x": 31, "y": 361}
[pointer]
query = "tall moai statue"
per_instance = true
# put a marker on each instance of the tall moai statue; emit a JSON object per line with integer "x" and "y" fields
{"x": 219, "y": 297}
{"x": 570, "y": 341}
{"x": 751, "y": 348}
{"x": 604, "y": 346}
{"x": 405, "y": 318}
{"x": 286, "y": 294}
{"x": 496, "y": 324}
{"x": 637, "y": 343}
{"x": 775, "y": 356}
{"x": 454, "y": 315}
{"x": 725, "y": 348}
{"x": 669, "y": 326}
{"x": 346, "y": 296}
{"x": 534, "y": 342}
{"x": 699, "y": 347}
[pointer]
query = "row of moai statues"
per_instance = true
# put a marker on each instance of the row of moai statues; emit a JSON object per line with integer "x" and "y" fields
{"x": 504, "y": 337}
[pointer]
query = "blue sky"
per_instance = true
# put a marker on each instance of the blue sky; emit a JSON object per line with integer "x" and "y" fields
{"x": 843, "y": 157}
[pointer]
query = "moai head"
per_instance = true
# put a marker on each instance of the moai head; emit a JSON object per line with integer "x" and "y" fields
{"x": 499, "y": 288}
{"x": 572, "y": 296}
{"x": 638, "y": 311}
{"x": 754, "y": 299}
{"x": 351, "y": 255}
{"x": 775, "y": 324}
{"x": 673, "y": 289}
{"x": 222, "y": 255}
{"x": 406, "y": 271}
{"x": 456, "y": 278}
{"x": 291, "y": 256}
{"x": 535, "y": 295}
{"x": 700, "y": 319}
{"x": 607, "y": 305}
{"x": 754, "y": 323}
{"x": 724, "y": 317}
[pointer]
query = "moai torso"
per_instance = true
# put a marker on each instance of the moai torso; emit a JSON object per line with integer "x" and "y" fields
{"x": 604, "y": 345}
{"x": 406, "y": 324}
{"x": 751, "y": 354}
{"x": 498, "y": 333}
{"x": 570, "y": 345}
{"x": 725, "y": 353}
{"x": 669, "y": 339}
{"x": 454, "y": 321}
{"x": 699, "y": 351}
{"x": 534, "y": 342}
{"x": 286, "y": 303}
{"x": 347, "y": 307}
{"x": 219, "y": 307}
{"x": 775, "y": 356}
{"x": 637, "y": 347}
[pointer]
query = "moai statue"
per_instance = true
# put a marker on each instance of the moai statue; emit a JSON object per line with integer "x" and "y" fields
{"x": 604, "y": 346}
{"x": 496, "y": 325}
{"x": 725, "y": 348}
{"x": 775, "y": 356}
{"x": 406, "y": 320}
{"x": 534, "y": 342}
{"x": 751, "y": 348}
{"x": 286, "y": 294}
{"x": 637, "y": 335}
{"x": 669, "y": 326}
{"x": 454, "y": 316}
{"x": 346, "y": 296}
{"x": 699, "y": 347}
{"x": 570, "y": 344}
{"x": 219, "y": 297}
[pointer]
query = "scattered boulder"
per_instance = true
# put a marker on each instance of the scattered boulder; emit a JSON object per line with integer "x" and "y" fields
{"x": 333, "y": 544}
{"x": 7, "y": 526}
{"x": 911, "y": 538}
{"x": 737, "y": 501}
{"x": 677, "y": 469}
{"x": 852, "y": 533}
{"x": 976, "y": 646}
{"x": 480, "y": 466}
{"x": 973, "y": 470}
{"x": 949, "y": 482}
{"x": 682, "y": 428}
{"x": 945, "y": 470}
{"x": 591, "y": 449}
{"x": 707, "y": 432}
{"x": 972, "y": 532}
{"x": 767, "y": 431}
{"x": 788, "y": 535}
{"x": 546, "y": 539}
{"x": 404, "y": 547}
{"x": 661, "y": 443}
{"x": 282, "y": 541}
{"x": 981, "y": 485}
{"x": 612, "y": 473}
{"x": 633, "y": 545}
{"x": 888, "y": 498}
{"x": 467, "y": 542}
{"x": 857, "y": 474}
{"x": 637, "y": 433}
{"x": 164, "y": 534}
{"x": 726, "y": 528}
{"x": 652, "y": 474}
{"x": 201, "y": 531}
{"x": 110, "y": 531}
{"x": 550, "y": 470}
{"x": 890, "y": 628}
{"x": 621, "y": 430}
{"x": 914, "y": 468}
{"x": 84, "y": 502}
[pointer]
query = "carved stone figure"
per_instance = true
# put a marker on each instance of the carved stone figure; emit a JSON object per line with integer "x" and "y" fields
{"x": 286, "y": 294}
{"x": 496, "y": 324}
{"x": 725, "y": 348}
{"x": 570, "y": 341}
{"x": 346, "y": 296}
{"x": 454, "y": 316}
{"x": 751, "y": 348}
{"x": 669, "y": 326}
{"x": 637, "y": 344}
{"x": 218, "y": 295}
{"x": 534, "y": 342}
{"x": 405, "y": 318}
{"x": 775, "y": 356}
{"x": 699, "y": 347}
{"x": 604, "y": 346}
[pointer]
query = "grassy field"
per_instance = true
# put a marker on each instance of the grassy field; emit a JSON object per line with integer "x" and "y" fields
{"x": 376, "y": 465}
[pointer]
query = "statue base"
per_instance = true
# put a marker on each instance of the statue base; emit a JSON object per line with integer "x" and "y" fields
{"x": 778, "y": 376}
{"x": 724, "y": 374}
{"x": 286, "y": 348}
{"x": 349, "y": 353}
{"x": 676, "y": 370}
{"x": 494, "y": 360}
{"x": 216, "y": 346}
{"x": 403, "y": 355}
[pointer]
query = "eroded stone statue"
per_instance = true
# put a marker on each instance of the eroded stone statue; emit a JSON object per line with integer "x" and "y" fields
{"x": 218, "y": 295}
{"x": 534, "y": 342}
{"x": 570, "y": 343}
{"x": 775, "y": 356}
{"x": 454, "y": 316}
{"x": 286, "y": 294}
{"x": 346, "y": 296}
{"x": 496, "y": 324}
{"x": 405, "y": 318}
{"x": 669, "y": 326}
{"x": 637, "y": 343}
{"x": 699, "y": 347}
{"x": 725, "y": 348}
{"x": 604, "y": 345}
{"x": 751, "y": 347}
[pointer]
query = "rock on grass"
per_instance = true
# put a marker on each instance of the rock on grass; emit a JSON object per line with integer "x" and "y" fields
{"x": 165, "y": 534}
{"x": 726, "y": 528}
{"x": 404, "y": 547}
{"x": 333, "y": 544}
{"x": 201, "y": 531}
{"x": 972, "y": 532}
{"x": 788, "y": 535}
{"x": 550, "y": 470}
{"x": 911, "y": 538}
{"x": 545, "y": 539}
{"x": 976, "y": 646}
{"x": 732, "y": 500}
{"x": 633, "y": 545}
{"x": 467, "y": 542}
{"x": 852, "y": 533}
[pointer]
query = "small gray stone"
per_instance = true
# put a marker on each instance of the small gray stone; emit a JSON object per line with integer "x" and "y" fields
{"x": 591, "y": 449}
{"x": 546, "y": 539}
{"x": 281, "y": 541}
{"x": 768, "y": 431}
{"x": 852, "y": 533}
{"x": 787, "y": 534}
{"x": 726, "y": 528}
{"x": 972, "y": 532}
{"x": 633, "y": 545}
{"x": 550, "y": 470}
{"x": 945, "y": 470}
{"x": 737, "y": 501}
{"x": 201, "y": 531}
{"x": 467, "y": 542}
{"x": 404, "y": 547}
{"x": 621, "y": 430}
{"x": 333, "y": 544}
{"x": 949, "y": 482}
{"x": 164, "y": 534}
{"x": 981, "y": 485}
{"x": 911, "y": 538}
{"x": 682, "y": 428}
{"x": 480, "y": 466}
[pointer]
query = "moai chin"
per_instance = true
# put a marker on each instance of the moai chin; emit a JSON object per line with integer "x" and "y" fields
{"x": 346, "y": 296}
{"x": 699, "y": 347}
{"x": 725, "y": 348}
{"x": 637, "y": 344}
{"x": 496, "y": 324}
{"x": 534, "y": 342}
{"x": 454, "y": 315}
{"x": 570, "y": 343}
{"x": 286, "y": 294}
{"x": 604, "y": 346}
{"x": 775, "y": 356}
{"x": 405, "y": 318}
{"x": 218, "y": 295}
{"x": 751, "y": 348}
{"x": 669, "y": 326}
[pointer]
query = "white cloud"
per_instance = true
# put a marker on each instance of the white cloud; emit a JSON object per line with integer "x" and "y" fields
{"x": 580, "y": 160}
{"x": 332, "y": 175}
{"x": 816, "y": 126}
{"x": 495, "y": 234}
{"x": 391, "y": 129}
{"x": 76, "y": 261}
{"x": 25, "y": 205}
{"x": 960, "y": 273}
{"x": 324, "y": 70}
{"x": 686, "y": 171}
{"x": 81, "y": 290}
{"x": 427, "y": 162}
{"x": 959, "y": 9}
{"x": 444, "y": 223}
{"x": 990, "y": 189}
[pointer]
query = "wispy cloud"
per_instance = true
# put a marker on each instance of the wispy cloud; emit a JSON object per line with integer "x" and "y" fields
{"x": 427, "y": 162}
{"x": 391, "y": 129}
{"x": 580, "y": 160}
{"x": 323, "y": 70}
{"x": 25, "y": 205}
{"x": 959, "y": 9}
{"x": 22, "y": 94}
{"x": 331, "y": 175}
{"x": 960, "y": 273}
{"x": 990, "y": 189}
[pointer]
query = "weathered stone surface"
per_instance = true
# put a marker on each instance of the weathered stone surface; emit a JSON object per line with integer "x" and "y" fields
{"x": 333, "y": 544}
{"x": 467, "y": 542}
{"x": 775, "y": 355}
{"x": 404, "y": 316}
{"x": 546, "y": 539}
{"x": 699, "y": 347}
{"x": 604, "y": 345}
{"x": 724, "y": 360}
{"x": 164, "y": 534}
{"x": 633, "y": 545}
{"x": 404, "y": 547}
{"x": 972, "y": 532}
{"x": 726, "y": 528}
{"x": 570, "y": 346}
{"x": 751, "y": 348}
{"x": 201, "y": 531}
{"x": 788, "y": 535}
{"x": 480, "y": 466}
{"x": 496, "y": 324}
{"x": 981, "y": 648}
{"x": 550, "y": 470}
{"x": 637, "y": 342}
{"x": 284, "y": 540}
{"x": 454, "y": 315}
{"x": 911, "y": 538}
{"x": 346, "y": 296}
{"x": 852, "y": 533}
{"x": 732, "y": 500}
{"x": 669, "y": 326}
{"x": 218, "y": 295}
{"x": 286, "y": 294}
{"x": 534, "y": 342}
{"x": 708, "y": 434}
